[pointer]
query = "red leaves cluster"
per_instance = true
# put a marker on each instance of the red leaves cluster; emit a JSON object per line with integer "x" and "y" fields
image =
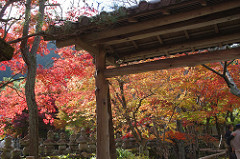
{"x": 176, "y": 135}
{"x": 128, "y": 135}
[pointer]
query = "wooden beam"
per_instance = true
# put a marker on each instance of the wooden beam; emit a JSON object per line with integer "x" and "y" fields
{"x": 203, "y": 2}
{"x": 182, "y": 61}
{"x": 180, "y": 26}
{"x": 164, "y": 20}
{"x": 6, "y": 51}
{"x": 152, "y": 10}
{"x": 160, "y": 39}
{"x": 216, "y": 28}
{"x": 64, "y": 43}
{"x": 216, "y": 155}
{"x": 176, "y": 27}
{"x": 135, "y": 44}
{"x": 184, "y": 46}
{"x": 102, "y": 101}
{"x": 81, "y": 44}
{"x": 186, "y": 34}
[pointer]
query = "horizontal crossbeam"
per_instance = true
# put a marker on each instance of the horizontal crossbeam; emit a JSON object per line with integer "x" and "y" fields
{"x": 182, "y": 61}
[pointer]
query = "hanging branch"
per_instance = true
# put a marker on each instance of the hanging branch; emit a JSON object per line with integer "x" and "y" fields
{"x": 223, "y": 75}
{"x": 209, "y": 68}
{"x": 3, "y": 84}
{"x": 230, "y": 62}
{"x": 41, "y": 33}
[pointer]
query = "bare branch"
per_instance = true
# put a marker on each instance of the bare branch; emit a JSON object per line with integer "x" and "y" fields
{"x": 224, "y": 68}
{"x": 228, "y": 78}
{"x": 56, "y": 5}
{"x": 53, "y": 5}
{"x": 9, "y": 19}
{"x": 6, "y": 6}
{"x": 3, "y": 84}
{"x": 140, "y": 103}
{"x": 230, "y": 62}
{"x": 224, "y": 76}
{"x": 209, "y": 68}
{"x": 12, "y": 24}
{"x": 25, "y": 37}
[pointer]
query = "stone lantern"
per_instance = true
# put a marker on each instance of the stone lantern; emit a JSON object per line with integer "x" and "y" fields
{"x": 82, "y": 141}
{"x": 73, "y": 145}
{"x": 92, "y": 144}
{"x": 62, "y": 144}
{"x": 25, "y": 143}
{"x": 49, "y": 143}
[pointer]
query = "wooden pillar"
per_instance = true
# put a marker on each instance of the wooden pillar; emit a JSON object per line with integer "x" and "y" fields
{"x": 113, "y": 152}
{"x": 104, "y": 130}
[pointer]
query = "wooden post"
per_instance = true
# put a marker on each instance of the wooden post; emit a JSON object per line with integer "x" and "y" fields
{"x": 103, "y": 104}
{"x": 113, "y": 152}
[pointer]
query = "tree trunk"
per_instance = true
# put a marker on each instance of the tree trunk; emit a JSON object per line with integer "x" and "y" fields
{"x": 232, "y": 117}
{"x": 180, "y": 144}
{"x": 30, "y": 59}
{"x": 218, "y": 127}
{"x": 33, "y": 109}
{"x": 207, "y": 131}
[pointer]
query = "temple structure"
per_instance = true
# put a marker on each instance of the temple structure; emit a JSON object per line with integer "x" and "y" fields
{"x": 172, "y": 33}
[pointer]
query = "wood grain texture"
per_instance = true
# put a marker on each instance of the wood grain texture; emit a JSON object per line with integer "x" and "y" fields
{"x": 183, "y": 61}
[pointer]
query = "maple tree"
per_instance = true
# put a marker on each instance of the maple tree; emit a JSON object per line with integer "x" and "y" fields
{"x": 144, "y": 107}
{"x": 71, "y": 82}
{"x": 23, "y": 33}
{"x": 29, "y": 56}
{"x": 200, "y": 95}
